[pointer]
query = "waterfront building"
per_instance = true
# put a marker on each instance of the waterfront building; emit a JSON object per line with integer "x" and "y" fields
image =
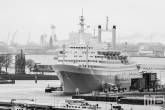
{"x": 30, "y": 49}
{"x": 43, "y": 39}
{"x": 53, "y": 36}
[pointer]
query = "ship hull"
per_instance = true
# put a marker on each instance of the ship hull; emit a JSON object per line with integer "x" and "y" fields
{"x": 85, "y": 79}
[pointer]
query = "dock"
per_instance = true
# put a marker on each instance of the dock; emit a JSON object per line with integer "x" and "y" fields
{"x": 29, "y": 106}
{"x": 136, "y": 98}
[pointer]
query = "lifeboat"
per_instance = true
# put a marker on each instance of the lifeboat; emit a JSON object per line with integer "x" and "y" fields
{"x": 110, "y": 53}
{"x": 118, "y": 53}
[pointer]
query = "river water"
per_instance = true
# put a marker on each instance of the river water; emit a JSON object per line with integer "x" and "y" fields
{"x": 28, "y": 89}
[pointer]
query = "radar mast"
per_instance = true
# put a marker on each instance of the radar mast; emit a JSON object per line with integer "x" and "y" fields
{"x": 82, "y": 23}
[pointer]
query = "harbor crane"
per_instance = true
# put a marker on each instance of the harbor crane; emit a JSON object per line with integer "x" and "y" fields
{"x": 7, "y": 38}
{"x": 28, "y": 39}
{"x": 12, "y": 42}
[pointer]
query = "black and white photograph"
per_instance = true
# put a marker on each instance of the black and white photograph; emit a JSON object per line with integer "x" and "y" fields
{"x": 82, "y": 55}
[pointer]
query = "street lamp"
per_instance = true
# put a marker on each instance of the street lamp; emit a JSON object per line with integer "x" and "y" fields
{"x": 54, "y": 99}
{"x": 106, "y": 106}
{"x": 57, "y": 103}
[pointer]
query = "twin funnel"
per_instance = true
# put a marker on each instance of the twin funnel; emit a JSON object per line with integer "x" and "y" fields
{"x": 113, "y": 35}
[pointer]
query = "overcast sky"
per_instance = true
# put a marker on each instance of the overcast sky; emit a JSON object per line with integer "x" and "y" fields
{"x": 136, "y": 20}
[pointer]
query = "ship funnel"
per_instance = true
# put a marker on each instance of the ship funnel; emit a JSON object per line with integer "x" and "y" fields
{"x": 99, "y": 34}
{"x": 114, "y": 37}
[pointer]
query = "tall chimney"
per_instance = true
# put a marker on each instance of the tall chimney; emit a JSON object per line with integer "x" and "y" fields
{"x": 114, "y": 37}
{"x": 99, "y": 34}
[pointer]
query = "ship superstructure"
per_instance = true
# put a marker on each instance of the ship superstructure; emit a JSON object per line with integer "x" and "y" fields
{"x": 86, "y": 67}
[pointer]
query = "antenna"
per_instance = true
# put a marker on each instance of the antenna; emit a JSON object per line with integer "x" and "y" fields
{"x": 107, "y": 23}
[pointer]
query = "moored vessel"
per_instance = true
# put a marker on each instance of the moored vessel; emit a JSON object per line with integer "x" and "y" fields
{"x": 77, "y": 104}
{"x": 87, "y": 66}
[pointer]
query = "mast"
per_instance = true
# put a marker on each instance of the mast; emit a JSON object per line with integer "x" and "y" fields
{"x": 81, "y": 28}
{"x": 82, "y": 23}
{"x": 63, "y": 54}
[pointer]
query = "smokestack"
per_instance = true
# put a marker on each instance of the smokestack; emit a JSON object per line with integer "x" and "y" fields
{"x": 114, "y": 37}
{"x": 99, "y": 34}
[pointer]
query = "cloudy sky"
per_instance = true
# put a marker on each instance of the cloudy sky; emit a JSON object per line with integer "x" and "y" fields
{"x": 136, "y": 20}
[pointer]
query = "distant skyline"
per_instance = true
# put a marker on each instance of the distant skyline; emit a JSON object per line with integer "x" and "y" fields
{"x": 136, "y": 20}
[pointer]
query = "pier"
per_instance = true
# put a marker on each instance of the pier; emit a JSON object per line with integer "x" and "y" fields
{"x": 8, "y": 105}
{"x": 136, "y": 98}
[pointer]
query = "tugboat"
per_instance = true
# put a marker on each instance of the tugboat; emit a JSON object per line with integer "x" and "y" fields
{"x": 76, "y": 104}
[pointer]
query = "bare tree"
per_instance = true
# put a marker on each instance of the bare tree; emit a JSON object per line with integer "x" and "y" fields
{"x": 8, "y": 61}
{"x": 2, "y": 61}
{"x": 30, "y": 64}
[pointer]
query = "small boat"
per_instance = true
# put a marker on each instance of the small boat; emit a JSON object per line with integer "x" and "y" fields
{"x": 3, "y": 81}
{"x": 23, "y": 104}
{"x": 76, "y": 104}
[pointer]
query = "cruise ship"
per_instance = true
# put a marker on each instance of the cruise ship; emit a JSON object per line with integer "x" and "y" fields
{"x": 86, "y": 67}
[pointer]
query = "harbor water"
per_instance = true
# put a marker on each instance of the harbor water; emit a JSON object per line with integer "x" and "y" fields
{"x": 28, "y": 89}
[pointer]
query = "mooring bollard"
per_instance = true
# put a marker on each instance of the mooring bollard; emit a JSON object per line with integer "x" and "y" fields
{"x": 35, "y": 79}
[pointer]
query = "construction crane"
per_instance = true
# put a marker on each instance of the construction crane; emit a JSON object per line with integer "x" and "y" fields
{"x": 28, "y": 39}
{"x": 12, "y": 42}
{"x": 7, "y": 38}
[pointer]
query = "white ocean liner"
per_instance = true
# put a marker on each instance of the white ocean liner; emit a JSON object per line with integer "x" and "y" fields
{"x": 86, "y": 66}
